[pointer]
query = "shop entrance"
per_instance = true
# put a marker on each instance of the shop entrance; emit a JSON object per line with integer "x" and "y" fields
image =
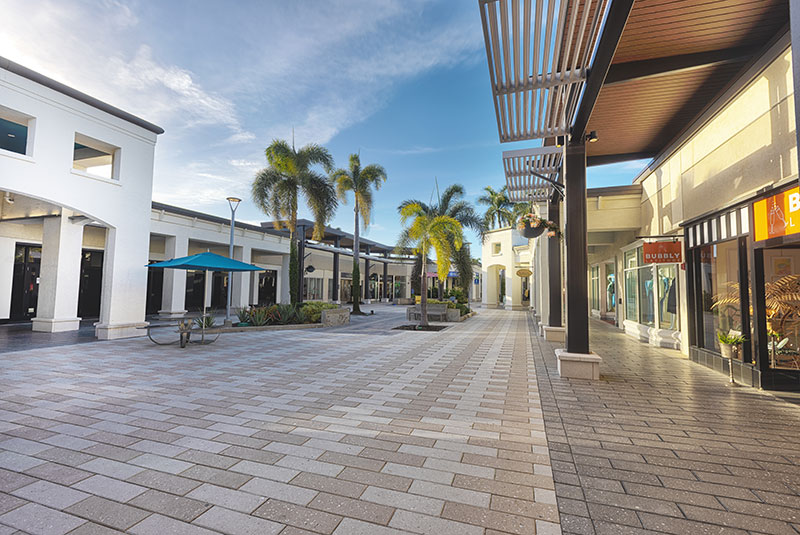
{"x": 25, "y": 285}
{"x": 91, "y": 285}
{"x": 268, "y": 287}
{"x": 781, "y": 292}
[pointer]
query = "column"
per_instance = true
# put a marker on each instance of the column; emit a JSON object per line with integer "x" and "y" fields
{"x": 241, "y": 280}
{"x": 577, "y": 335}
{"x": 7, "y": 249}
{"x": 336, "y": 273}
{"x": 367, "y": 293}
{"x": 209, "y": 288}
{"x": 283, "y": 287}
{"x": 57, "y": 307}
{"x": 301, "y": 261}
{"x": 554, "y": 286}
{"x": 124, "y": 294}
{"x": 386, "y": 289}
{"x": 173, "y": 295}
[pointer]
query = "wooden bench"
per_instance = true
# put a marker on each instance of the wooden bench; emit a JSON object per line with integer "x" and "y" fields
{"x": 435, "y": 311}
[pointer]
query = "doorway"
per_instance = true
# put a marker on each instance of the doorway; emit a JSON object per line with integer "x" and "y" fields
{"x": 25, "y": 283}
{"x": 268, "y": 287}
{"x": 91, "y": 285}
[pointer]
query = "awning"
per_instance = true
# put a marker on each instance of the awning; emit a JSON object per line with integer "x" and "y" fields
{"x": 526, "y": 172}
{"x": 206, "y": 262}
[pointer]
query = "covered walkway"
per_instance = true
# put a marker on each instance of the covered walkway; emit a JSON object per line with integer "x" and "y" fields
{"x": 663, "y": 445}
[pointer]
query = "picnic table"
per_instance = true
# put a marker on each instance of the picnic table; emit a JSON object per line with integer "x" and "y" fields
{"x": 184, "y": 327}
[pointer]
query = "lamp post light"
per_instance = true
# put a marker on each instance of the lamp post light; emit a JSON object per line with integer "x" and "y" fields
{"x": 233, "y": 202}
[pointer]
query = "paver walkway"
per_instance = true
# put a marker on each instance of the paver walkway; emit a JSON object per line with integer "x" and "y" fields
{"x": 350, "y": 431}
{"x": 663, "y": 445}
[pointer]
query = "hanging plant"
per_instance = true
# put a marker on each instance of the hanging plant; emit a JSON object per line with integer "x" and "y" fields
{"x": 532, "y": 226}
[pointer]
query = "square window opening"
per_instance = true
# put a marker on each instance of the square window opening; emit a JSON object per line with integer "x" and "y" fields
{"x": 15, "y": 131}
{"x": 496, "y": 248}
{"x": 95, "y": 157}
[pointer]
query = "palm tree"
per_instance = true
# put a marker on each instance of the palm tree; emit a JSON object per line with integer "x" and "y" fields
{"x": 498, "y": 211}
{"x": 428, "y": 231}
{"x": 360, "y": 182}
{"x": 276, "y": 190}
{"x": 452, "y": 204}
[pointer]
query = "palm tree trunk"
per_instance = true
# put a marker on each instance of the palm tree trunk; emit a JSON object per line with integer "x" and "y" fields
{"x": 423, "y": 298}
{"x": 356, "y": 265}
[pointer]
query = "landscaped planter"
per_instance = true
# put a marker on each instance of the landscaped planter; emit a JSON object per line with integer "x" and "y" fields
{"x": 335, "y": 316}
{"x": 453, "y": 314}
{"x": 405, "y": 300}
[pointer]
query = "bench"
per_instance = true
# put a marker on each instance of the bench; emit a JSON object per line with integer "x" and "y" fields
{"x": 183, "y": 327}
{"x": 435, "y": 311}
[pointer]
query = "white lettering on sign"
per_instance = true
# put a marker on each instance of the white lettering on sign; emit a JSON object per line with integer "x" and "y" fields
{"x": 794, "y": 202}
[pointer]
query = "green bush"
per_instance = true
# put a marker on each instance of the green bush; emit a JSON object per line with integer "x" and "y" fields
{"x": 313, "y": 310}
{"x": 458, "y": 293}
{"x": 243, "y": 314}
{"x": 206, "y": 321}
{"x": 463, "y": 309}
{"x": 283, "y": 314}
{"x": 259, "y": 316}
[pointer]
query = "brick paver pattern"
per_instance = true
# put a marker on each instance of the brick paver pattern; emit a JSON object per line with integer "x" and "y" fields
{"x": 358, "y": 430}
{"x": 663, "y": 445}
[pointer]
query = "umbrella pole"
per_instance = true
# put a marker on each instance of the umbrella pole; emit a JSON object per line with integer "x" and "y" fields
{"x": 203, "y": 319}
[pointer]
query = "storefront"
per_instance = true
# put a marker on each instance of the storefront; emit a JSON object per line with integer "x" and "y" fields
{"x": 743, "y": 272}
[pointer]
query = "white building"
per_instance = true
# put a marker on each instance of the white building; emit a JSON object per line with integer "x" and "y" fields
{"x": 67, "y": 161}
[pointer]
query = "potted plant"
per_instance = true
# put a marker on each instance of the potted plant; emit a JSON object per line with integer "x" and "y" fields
{"x": 531, "y": 225}
{"x": 730, "y": 344}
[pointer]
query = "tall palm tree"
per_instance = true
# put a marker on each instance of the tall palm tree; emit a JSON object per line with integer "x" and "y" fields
{"x": 452, "y": 204}
{"x": 425, "y": 232}
{"x": 290, "y": 175}
{"x": 360, "y": 182}
{"x": 498, "y": 211}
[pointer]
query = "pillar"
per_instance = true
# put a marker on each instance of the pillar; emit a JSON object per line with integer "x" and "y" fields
{"x": 554, "y": 286}
{"x": 301, "y": 261}
{"x": 209, "y": 288}
{"x": 367, "y": 292}
{"x": 8, "y": 247}
{"x": 57, "y": 307}
{"x": 336, "y": 273}
{"x": 283, "y": 287}
{"x": 386, "y": 289}
{"x": 173, "y": 295}
{"x": 577, "y": 328}
{"x": 241, "y": 279}
{"x": 124, "y": 293}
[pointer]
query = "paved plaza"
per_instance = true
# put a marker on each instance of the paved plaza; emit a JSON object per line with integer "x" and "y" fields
{"x": 365, "y": 430}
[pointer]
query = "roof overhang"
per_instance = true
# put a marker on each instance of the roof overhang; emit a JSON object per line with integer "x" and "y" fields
{"x": 531, "y": 173}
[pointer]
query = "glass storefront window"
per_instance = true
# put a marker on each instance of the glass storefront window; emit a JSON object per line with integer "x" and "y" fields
{"x": 399, "y": 286}
{"x": 667, "y": 282}
{"x": 595, "y": 288}
{"x": 782, "y": 286}
{"x": 313, "y": 289}
{"x": 646, "y": 296}
{"x": 611, "y": 288}
{"x": 719, "y": 272}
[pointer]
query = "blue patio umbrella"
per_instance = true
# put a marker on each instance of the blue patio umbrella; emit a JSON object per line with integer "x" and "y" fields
{"x": 206, "y": 262}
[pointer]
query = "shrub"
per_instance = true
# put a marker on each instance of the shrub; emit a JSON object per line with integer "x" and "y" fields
{"x": 313, "y": 310}
{"x": 206, "y": 321}
{"x": 259, "y": 316}
{"x": 463, "y": 309}
{"x": 283, "y": 314}
{"x": 243, "y": 314}
{"x": 727, "y": 338}
{"x": 300, "y": 315}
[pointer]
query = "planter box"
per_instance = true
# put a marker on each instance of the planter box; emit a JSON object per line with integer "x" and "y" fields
{"x": 453, "y": 314}
{"x": 405, "y": 300}
{"x": 335, "y": 316}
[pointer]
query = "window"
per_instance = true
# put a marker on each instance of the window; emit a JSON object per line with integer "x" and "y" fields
{"x": 631, "y": 286}
{"x": 14, "y": 131}
{"x": 330, "y": 290}
{"x": 611, "y": 288}
{"x": 496, "y": 248}
{"x": 667, "y": 282}
{"x": 719, "y": 273}
{"x": 399, "y": 286}
{"x": 95, "y": 157}
{"x": 595, "y": 288}
{"x": 312, "y": 290}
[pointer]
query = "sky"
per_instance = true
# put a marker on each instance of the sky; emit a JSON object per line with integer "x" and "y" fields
{"x": 402, "y": 82}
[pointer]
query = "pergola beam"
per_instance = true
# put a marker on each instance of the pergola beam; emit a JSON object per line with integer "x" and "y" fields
{"x": 641, "y": 70}
{"x": 618, "y": 14}
{"x": 606, "y": 159}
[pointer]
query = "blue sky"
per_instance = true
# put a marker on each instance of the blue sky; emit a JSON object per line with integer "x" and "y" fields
{"x": 405, "y": 82}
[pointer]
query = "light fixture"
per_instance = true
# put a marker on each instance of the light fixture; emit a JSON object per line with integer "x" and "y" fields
{"x": 233, "y": 202}
{"x": 9, "y": 197}
{"x": 591, "y": 137}
{"x": 11, "y": 135}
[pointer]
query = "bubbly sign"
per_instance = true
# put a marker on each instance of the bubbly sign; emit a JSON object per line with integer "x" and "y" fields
{"x": 662, "y": 253}
{"x": 778, "y": 215}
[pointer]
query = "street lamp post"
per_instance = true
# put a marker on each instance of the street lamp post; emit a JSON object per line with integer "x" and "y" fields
{"x": 233, "y": 202}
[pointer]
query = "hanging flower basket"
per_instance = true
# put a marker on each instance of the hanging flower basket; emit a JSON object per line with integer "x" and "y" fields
{"x": 533, "y": 226}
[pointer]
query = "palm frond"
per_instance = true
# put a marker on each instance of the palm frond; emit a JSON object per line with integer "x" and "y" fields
{"x": 313, "y": 154}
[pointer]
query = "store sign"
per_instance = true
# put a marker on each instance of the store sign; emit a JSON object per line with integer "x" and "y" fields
{"x": 524, "y": 273}
{"x": 663, "y": 252}
{"x": 778, "y": 215}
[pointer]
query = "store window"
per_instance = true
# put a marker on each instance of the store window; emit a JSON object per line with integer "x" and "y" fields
{"x": 595, "y": 288}
{"x": 721, "y": 308}
{"x": 651, "y": 292}
{"x": 399, "y": 286}
{"x": 667, "y": 282}
{"x": 611, "y": 288}
{"x": 313, "y": 289}
{"x": 631, "y": 285}
{"x": 782, "y": 286}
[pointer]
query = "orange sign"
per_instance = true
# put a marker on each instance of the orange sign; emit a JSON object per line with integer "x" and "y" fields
{"x": 663, "y": 252}
{"x": 778, "y": 215}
